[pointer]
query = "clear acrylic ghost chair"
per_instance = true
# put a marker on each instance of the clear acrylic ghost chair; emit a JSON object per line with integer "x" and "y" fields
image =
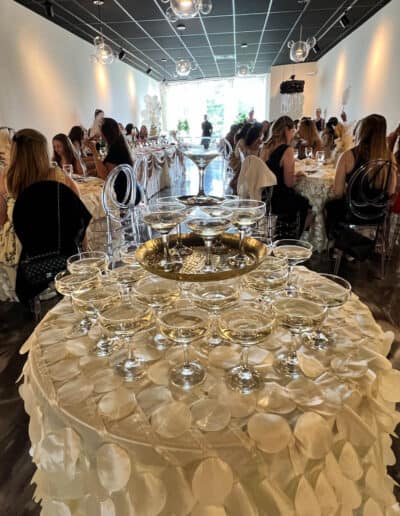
{"x": 120, "y": 210}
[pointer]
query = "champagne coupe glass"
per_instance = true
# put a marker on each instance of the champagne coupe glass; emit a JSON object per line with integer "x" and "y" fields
{"x": 334, "y": 292}
{"x": 295, "y": 251}
{"x": 158, "y": 293}
{"x": 126, "y": 276}
{"x": 270, "y": 278}
{"x": 299, "y": 313}
{"x": 185, "y": 324}
{"x": 209, "y": 228}
{"x": 309, "y": 152}
{"x": 217, "y": 211}
{"x": 66, "y": 283}
{"x": 87, "y": 261}
{"x": 163, "y": 218}
{"x": 245, "y": 213}
{"x": 214, "y": 296}
{"x": 180, "y": 248}
{"x": 201, "y": 150}
{"x": 247, "y": 325}
{"x": 124, "y": 321}
{"x": 90, "y": 302}
{"x": 320, "y": 157}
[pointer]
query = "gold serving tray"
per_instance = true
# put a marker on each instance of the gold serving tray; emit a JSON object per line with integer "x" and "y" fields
{"x": 150, "y": 253}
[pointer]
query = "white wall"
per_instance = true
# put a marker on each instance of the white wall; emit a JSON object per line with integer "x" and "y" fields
{"x": 304, "y": 72}
{"x": 47, "y": 81}
{"x": 367, "y": 62}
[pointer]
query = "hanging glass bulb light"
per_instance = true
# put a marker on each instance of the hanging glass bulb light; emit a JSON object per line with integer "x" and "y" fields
{"x": 172, "y": 17}
{"x": 183, "y": 67}
{"x": 185, "y": 8}
{"x": 299, "y": 50}
{"x": 205, "y": 6}
{"x": 104, "y": 54}
{"x": 98, "y": 42}
{"x": 243, "y": 70}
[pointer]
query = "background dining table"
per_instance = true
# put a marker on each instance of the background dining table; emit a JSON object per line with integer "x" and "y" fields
{"x": 312, "y": 446}
{"x": 317, "y": 186}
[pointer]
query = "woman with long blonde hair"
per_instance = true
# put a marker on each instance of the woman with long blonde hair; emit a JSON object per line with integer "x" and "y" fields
{"x": 307, "y": 136}
{"x": 29, "y": 163}
{"x": 279, "y": 156}
{"x": 371, "y": 145}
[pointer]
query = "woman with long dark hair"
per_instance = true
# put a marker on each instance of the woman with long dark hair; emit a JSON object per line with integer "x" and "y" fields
{"x": 118, "y": 154}
{"x": 64, "y": 153}
{"x": 279, "y": 156}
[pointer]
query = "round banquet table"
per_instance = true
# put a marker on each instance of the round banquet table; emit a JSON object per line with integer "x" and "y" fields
{"x": 314, "y": 446}
{"x": 317, "y": 188}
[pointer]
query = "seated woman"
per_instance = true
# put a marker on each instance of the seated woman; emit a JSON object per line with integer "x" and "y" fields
{"x": 143, "y": 134}
{"x": 265, "y": 129}
{"x": 238, "y": 155}
{"x": 65, "y": 154}
{"x": 329, "y": 136}
{"x": 77, "y": 137}
{"x": 29, "y": 163}
{"x": 307, "y": 136}
{"x": 118, "y": 154}
{"x": 371, "y": 145}
{"x": 279, "y": 156}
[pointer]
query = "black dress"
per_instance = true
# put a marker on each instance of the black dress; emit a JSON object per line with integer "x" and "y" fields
{"x": 118, "y": 154}
{"x": 285, "y": 200}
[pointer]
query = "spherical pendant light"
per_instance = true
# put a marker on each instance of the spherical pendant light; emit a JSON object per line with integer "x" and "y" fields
{"x": 205, "y": 6}
{"x": 172, "y": 17}
{"x": 183, "y": 67}
{"x": 185, "y": 8}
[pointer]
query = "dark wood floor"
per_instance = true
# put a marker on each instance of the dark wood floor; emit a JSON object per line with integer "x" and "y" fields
{"x": 16, "y": 469}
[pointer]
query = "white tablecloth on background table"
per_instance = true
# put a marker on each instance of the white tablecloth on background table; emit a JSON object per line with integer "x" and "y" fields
{"x": 316, "y": 446}
{"x": 317, "y": 188}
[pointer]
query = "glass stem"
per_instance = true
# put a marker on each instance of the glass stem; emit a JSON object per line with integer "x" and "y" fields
{"x": 208, "y": 244}
{"x": 179, "y": 235}
{"x": 241, "y": 242}
{"x": 186, "y": 355}
{"x": 290, "y": 272}
{"x": 201, "y": 181}
{"x": 292, "y": 351}
{"x": 244, "y": 360}
{"x": 164, "y": 238}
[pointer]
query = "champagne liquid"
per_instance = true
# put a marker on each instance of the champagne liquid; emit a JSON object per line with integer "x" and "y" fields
{"x": 299, "y": 314}
{"x": 261, "y": 281}
{"x": 127, "y": 276}
{"x": 208, "y": 227}
{"x": 215, "y": 297}
{"x": 91, "y": 301}
{"x": 69, "y": 283}
{"x": 293, "y": 253}
{"x": 244, "y": 219}
{"x": 164, "y": 220}
{"x": 88, "y": 265}
{"x": 331, "y": 294}
{"x": 124, "y": 320}
{"x": 246, "y": 328}
{"x": 129, "y": 257}
{"x": 157, "y": 294}
{"x": 182, "y": 326}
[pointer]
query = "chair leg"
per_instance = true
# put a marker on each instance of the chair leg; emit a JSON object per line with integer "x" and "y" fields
{"x": 338, "y": 260}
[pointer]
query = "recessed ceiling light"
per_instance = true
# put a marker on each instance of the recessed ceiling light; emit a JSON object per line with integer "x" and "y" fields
{"x": 181, "y": 27}
{"x": 164, "y": 59}
{"x": 244, "y": 45}
{"x": 98, "y": 2}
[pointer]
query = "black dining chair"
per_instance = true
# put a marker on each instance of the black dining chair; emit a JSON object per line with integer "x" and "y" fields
{"x": 366, "y": 225}
{"x": 50, "y": 221}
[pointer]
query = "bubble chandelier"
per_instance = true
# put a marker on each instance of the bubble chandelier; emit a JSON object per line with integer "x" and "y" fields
{"x": 186, "y": 9}
{"x": 183, "y": 67}
{"x": 299, "y": 50}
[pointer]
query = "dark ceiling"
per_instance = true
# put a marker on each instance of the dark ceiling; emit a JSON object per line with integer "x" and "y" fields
{"x": 213, "y": 42}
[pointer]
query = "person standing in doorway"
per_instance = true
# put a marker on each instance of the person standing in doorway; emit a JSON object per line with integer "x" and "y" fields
{"x": 319, "y": 121}
{"x": 206, "y": 132}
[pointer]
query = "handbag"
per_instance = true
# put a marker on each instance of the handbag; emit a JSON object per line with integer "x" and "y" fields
{"x": 36, "y": 272}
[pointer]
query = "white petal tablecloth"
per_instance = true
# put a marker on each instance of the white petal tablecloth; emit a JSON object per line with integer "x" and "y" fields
{"x": 317, "y": 188}
{"x": 318, "y": 445}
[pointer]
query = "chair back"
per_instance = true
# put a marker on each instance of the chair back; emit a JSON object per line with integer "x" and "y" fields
{"x": 366, "y": 194}
{"x": 226, "y": 149}
{"x": 254, "y": 177}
